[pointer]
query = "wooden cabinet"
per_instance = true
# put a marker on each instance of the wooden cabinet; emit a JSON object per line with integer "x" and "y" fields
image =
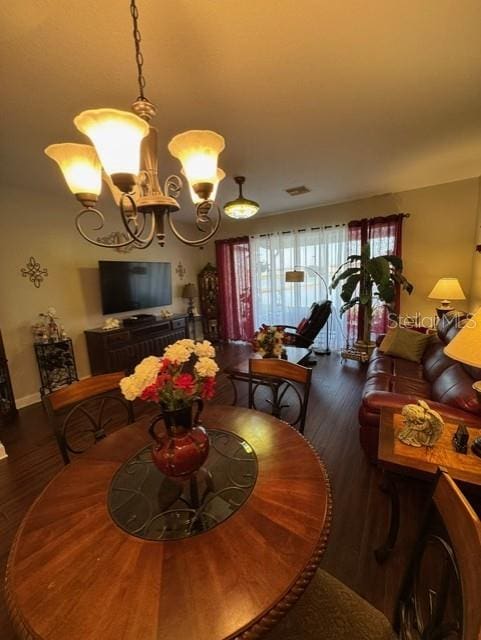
{"x": 122, "y": 349}
{"x": 209, "y": 301}
{"x": 8, "y": 410}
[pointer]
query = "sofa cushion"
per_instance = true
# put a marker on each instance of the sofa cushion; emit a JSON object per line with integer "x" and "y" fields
{"x": 404, "y": 343}
{"x": 407, "y": 369}
{"x": 410, "y": 386}
{"x": 454, "y": 387}
{"x": 435, "y": 361}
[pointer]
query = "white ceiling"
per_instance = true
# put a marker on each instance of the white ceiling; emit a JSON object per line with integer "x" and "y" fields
{"x": 350, "y": 98}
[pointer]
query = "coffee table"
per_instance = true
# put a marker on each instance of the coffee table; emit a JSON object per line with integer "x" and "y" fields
{"x": 397, "y": 458}
{"x": 74, "y": 573}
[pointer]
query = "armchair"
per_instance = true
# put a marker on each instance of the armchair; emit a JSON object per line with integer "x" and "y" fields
{"x": 306, "y": 331}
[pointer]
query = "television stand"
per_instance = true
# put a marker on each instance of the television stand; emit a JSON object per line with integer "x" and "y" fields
{"x": 121, "y": 349}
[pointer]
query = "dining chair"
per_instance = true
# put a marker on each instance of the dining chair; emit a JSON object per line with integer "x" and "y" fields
{"x": 439, "y": 597}
{"x": 81, "y": 412}
{"x": 289, "y": 382}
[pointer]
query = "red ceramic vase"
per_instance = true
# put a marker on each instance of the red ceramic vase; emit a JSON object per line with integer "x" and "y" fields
{"x": 181, "y": 448}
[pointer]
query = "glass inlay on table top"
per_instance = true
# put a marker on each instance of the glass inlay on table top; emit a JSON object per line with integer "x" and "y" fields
{"x": 145, "y": 503}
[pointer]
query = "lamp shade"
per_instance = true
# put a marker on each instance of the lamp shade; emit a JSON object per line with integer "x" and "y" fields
{"x": 294, "y": 276}
{"x": 466, "y": 345}
{"x": 116, "y": 135}
{"x": 447, "y": 289}
{"x": 80, "y": 166}
{"x": 189, "y": 290}
{"x": 198, "y": 152}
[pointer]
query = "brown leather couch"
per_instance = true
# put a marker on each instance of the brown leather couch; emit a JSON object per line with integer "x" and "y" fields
{"x": 443, "y": 382}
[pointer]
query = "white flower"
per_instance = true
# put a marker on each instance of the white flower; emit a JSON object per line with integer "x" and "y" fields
{"x": 206, "y": 367}
{"x": 177, "y": 353}
{"x": 204, "y": 350}
{"x": 187, "y": 344}
{"x": 144, "y": 375}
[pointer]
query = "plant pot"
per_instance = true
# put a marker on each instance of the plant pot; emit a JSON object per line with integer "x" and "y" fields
{"x": 181, "y": 448}
{"x": 367, "y": 347}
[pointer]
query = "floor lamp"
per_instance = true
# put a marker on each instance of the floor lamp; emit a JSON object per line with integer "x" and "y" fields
{"x": 298, "y": 276}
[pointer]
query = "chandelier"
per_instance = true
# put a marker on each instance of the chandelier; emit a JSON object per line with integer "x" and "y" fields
{"x": 124, "y": 154}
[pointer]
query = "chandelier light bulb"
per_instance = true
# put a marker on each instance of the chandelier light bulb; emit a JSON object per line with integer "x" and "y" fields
{"x": 80, "y": 166}
{"x": 196, "y": 199}
{"x": 117, "y": 136}
{"x": 198, "y": 152}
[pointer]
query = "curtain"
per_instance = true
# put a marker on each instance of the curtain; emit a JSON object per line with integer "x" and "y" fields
{"x": 384, "y": 235}
{"x": 235, "y": 296}
{"x": 278, "y": 302}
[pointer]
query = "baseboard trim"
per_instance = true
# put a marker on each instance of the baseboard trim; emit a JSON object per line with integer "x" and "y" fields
{"x": 25, "y": 401}
{"x": 33, "y": 398}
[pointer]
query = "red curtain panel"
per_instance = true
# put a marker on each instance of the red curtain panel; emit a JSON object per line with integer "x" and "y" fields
{"x": 235, "y": 294}
{"x": 384, "y": 235}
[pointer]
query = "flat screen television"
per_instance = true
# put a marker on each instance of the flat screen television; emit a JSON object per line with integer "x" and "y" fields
{"x": 132, "y": 286}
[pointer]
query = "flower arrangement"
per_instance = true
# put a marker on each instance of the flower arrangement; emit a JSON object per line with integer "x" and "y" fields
{"x": 269, "y": 341}
{"x": 165, "y": 381}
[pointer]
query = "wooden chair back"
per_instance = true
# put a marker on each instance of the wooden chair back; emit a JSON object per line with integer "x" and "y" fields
{"x": 284, "y": 378}
{"x": 445, "y": 604}
{"x": 81, "y": 412}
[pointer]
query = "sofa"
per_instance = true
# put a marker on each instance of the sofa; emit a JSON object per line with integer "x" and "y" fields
{"x": 443, "y": 382}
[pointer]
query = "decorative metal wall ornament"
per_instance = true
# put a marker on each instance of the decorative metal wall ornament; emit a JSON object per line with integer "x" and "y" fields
{"x": 131, "y": 169}
{"x": 115, "y": 239}
{"x": 180, "y": 270}
{"x": 34, "y": 272}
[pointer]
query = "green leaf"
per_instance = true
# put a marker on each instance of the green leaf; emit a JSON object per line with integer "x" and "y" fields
{"x": 350, "y": 286}
{"x": 349, "y": 260}
{"x": 379, "y": 270}
{"x": 386, "y": 292}
{"x": 396, "y": 262}
{"x": 348, "y": 305}
{"x": 343, "y": 276}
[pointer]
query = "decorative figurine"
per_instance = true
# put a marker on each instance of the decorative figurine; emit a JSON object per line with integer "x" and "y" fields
{"x": 48, "y": 330}
{"x": 460, "y": 439}
{"x": 423, "y": 426}
{"x": 111, "y": 323}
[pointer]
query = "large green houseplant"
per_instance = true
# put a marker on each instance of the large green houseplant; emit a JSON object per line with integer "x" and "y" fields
{"x": 364, "y": 278}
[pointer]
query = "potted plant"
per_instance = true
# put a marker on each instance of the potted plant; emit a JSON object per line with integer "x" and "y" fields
{"x": 364, "y": 278}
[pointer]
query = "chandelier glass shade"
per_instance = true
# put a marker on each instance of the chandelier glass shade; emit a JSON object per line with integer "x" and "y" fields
{"x": 241, "y": 208}
{"x": 125, "y": 147}
{"x": 80, "y": 167}
{"x": 116, "y": 136}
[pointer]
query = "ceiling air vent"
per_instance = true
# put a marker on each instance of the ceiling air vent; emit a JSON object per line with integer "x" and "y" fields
{"x": 298, "y": 191}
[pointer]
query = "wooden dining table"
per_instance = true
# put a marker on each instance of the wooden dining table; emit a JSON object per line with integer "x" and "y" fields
{"x": 74, "y": 574}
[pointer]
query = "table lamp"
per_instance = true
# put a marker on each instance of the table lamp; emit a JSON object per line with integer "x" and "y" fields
{"x": 190, "y": 292}
{"x": 465, "y": 347}
{"x": 446, "y": 289}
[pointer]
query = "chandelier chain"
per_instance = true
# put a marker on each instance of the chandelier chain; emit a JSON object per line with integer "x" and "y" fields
{"x": 139, "y": 58}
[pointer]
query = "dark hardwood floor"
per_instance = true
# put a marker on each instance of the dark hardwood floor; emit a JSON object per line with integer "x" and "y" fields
{"x": 360, "y": 510}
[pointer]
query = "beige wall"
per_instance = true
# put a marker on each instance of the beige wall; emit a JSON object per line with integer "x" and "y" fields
{"x": 438, "y": 239}
{"x": 42, "y": 226}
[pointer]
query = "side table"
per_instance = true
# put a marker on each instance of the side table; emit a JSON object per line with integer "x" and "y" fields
{"x": 56, "y": 364}
{"x": 397, "y": 458}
